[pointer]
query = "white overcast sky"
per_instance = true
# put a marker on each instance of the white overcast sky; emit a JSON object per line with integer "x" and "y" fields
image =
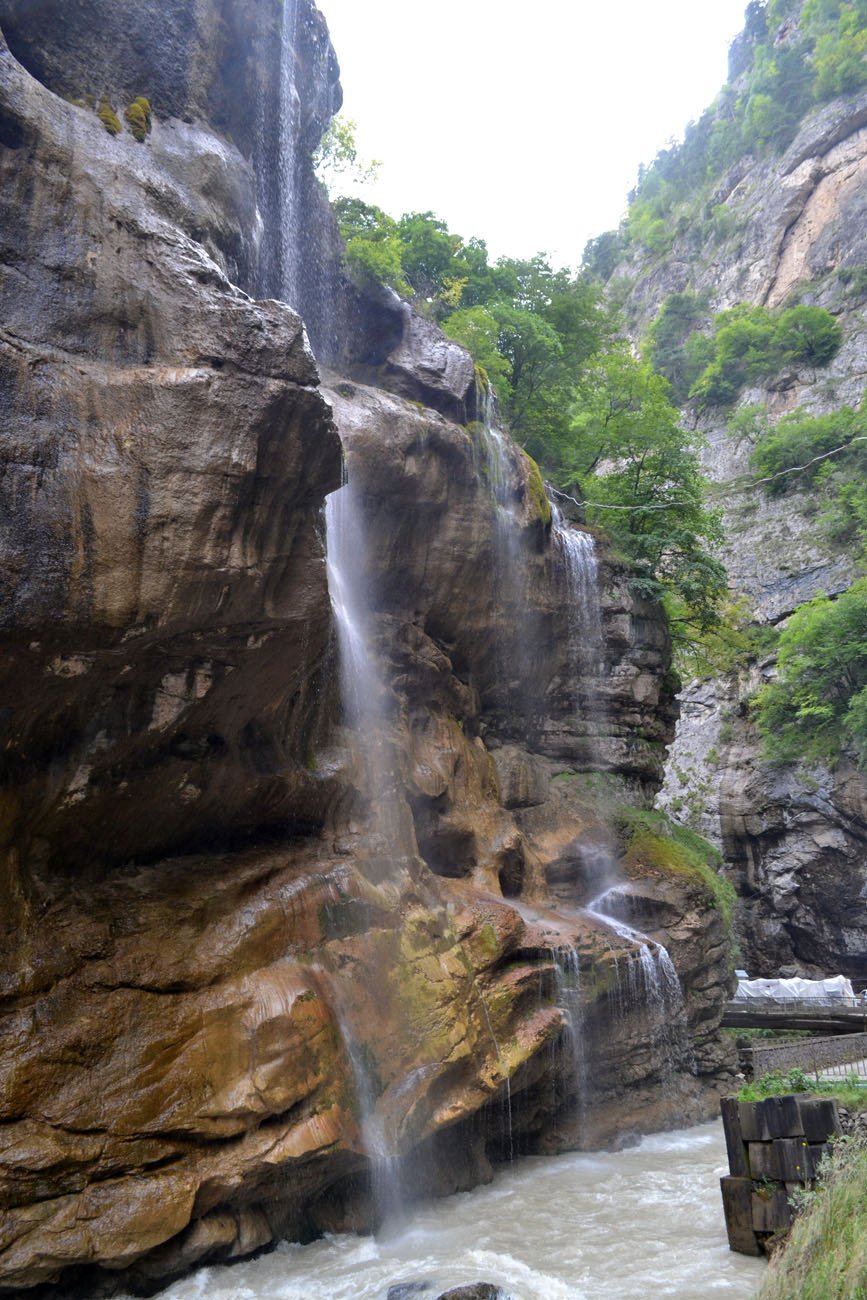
{"x": 524, "y": 124}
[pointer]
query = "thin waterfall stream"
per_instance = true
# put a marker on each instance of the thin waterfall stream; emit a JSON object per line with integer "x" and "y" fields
{"x": 650, "y": 978}
{"x": 287, "y": 157}
{"x": 366, "y": 702}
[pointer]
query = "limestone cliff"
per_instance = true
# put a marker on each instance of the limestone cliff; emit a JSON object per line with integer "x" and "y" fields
{"x": 786, "y": 227}
{"x": 226, "y": 989}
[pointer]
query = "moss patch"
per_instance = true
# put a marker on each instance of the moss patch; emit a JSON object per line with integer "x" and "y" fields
{"x": 138, "y": 116}
{"x": 109, "y": 118}
{"x": 536, "y": 491}
{"x": 652, "y": 840}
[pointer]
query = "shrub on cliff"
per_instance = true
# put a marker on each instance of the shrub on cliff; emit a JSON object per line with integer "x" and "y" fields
{"x": 825, "y": 455}
{"x": 817, "y": 706}
{"x": 746, "y": 344}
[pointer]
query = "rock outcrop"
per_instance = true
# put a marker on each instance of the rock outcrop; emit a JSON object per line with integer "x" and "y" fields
{"x": 233, "y": 975}
{"x": 793, "y": 840}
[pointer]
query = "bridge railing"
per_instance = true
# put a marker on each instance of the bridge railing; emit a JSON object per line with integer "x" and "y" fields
{"x": 798, "y": 1004}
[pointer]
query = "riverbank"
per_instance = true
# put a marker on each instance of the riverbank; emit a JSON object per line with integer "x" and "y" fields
{"x": 581, "y": 1226}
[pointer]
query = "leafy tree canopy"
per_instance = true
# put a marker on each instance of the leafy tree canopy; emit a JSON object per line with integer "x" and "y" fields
{"x": 745, "y": 344}
{"x": 597, "y": 419}
{"x": 817, "y": 707}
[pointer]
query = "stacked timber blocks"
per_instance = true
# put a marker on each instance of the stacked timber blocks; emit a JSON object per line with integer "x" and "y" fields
{"x": 774, "y": 1146}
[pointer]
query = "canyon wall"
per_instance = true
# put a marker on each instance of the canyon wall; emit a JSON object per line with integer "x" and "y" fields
{"x": 233, "y": 990}
{"x": 793, "y": 231}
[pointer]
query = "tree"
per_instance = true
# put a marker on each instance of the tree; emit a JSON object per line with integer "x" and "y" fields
{"x": 680, "y": 316}
{"x": 807, "y": 336}
{"x": 428, "y": 254}
{"x": 336, "y": 160}
{"x": 817, "y": 706}
{"x": 639, "y": 472}
{"x": 373, "y": 251}
{"x": 478, "y": 330}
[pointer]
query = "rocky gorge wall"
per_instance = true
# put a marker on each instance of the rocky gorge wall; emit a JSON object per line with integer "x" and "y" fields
{"x": 793, "y": 839}
{"x": 218, "y": 977}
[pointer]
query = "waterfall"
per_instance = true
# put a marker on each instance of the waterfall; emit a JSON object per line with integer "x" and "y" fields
{"x": 517, "y": 632}
{"x": 367, "y": 700}
{"x": 585, "y": 643}
{"x": 287, "y": 159}
{"x": 566, "y": 960}
{"x": 367, "y": 710}
{"x": 652, "y": 984}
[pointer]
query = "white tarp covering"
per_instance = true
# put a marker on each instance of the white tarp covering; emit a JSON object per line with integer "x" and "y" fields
{"x": 835, "y": 989}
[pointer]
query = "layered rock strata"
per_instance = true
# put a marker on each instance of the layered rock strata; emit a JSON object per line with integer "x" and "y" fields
{"x": 225, "y": 992}
{"x": 794, "y": 839}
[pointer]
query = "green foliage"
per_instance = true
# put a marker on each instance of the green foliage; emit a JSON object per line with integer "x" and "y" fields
{"x": 748, "y": 344}
{"x": 629, "y": 455}
{"x": 680, "y": 317}
{"x": 817, "y": 706}
{"x": 598, "y": 421}
{"x": 840, "y": 48}
{"x": 138, "y": 115}
{"x": 109, "y": 118}
{"x": 373, "y": 250}
{"x": 788, "y": 453}
{"x": 337, "y": 160}
{"x": 478, "y": 330}
{"x": 653, "y": 840}
{"x": 807, "y": 336}
{"x": 728, "y": 647}
{"x": 825, "y": 1256}
{"x": 826, "y": 455}
{"x": 602, "y": 254}
{"x": 776, "y": 76}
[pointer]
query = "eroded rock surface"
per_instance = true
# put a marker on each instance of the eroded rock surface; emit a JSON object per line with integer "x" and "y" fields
{"x": 793, "y": 840}
{"x": 227, "y": 980}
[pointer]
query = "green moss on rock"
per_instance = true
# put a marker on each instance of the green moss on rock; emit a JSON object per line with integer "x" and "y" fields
{"x": 536, "y": 491}
{"x": 653, "y": 840}
{"x": 109, "y": 118}
{"x": 138, "y": 116}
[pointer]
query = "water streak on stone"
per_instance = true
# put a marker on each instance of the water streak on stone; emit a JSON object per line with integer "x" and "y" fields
{"x": 585, "y": 644}
{"x": 651, "y": 983}
{"x": 287, "y": 157}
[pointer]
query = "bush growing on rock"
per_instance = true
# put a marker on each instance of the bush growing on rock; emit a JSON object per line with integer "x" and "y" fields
{"x": 138, "y": 116}
{"x": 817, "y": 707}
{"x": 109, "y": 118}
{"x": 746, "y": 344}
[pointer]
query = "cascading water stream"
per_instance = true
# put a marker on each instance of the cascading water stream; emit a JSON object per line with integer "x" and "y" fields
{"x": 287, "y": 158}
{"x": 566, "y": 960}
{"x": 516, "y": 639}
{"x": 366, "y": 703}
{"x": 651, "y": 983}
{"x": 585, "y": 643}
{"x": 650, "y": 979}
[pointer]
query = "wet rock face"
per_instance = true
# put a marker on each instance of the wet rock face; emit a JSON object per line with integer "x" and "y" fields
{"x": 164, "y": 594}
{"x": 215, "y": 62}
{"x": 216, "y": 973}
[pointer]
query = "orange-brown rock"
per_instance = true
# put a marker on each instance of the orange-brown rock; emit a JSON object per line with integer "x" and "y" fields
{"x": 229, "y": 980}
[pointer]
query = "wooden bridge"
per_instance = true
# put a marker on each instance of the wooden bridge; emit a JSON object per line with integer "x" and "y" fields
{"x": 829, "y": 1017}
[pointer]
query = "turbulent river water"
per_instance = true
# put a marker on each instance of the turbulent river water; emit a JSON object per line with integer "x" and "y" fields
{"x": 584, "y": 1226}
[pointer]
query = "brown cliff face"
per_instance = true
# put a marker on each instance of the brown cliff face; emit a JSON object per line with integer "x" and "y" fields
{"x": 794, "y": 231}
{"x": 226, "y": 978}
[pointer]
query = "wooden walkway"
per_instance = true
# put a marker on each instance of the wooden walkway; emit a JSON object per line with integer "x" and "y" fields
{"x": 826, "y": 1017}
